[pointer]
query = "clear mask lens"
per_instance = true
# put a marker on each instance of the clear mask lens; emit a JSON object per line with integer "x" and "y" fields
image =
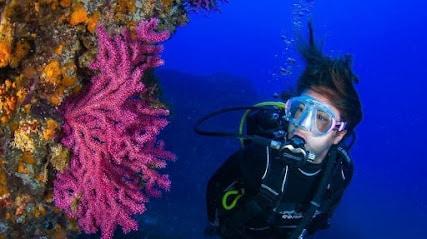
{"x": 310, "y": 115}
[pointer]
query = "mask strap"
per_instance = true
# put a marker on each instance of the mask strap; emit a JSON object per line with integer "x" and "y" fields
{"x": 340, "y": 125}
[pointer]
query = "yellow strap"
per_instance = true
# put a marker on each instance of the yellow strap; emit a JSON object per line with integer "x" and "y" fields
{"x": 234, "y": 201}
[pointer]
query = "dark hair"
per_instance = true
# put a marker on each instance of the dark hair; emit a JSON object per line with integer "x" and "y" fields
{"x": 333, "y": 79}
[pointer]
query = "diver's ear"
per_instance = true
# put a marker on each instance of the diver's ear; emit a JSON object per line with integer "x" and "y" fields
{"x": 339, "y": 136}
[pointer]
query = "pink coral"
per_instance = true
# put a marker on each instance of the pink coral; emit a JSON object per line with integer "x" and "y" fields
{"x": 113, "y": 133}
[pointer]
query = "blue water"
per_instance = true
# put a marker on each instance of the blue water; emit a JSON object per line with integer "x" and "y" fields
{"x": 234, "y": 58}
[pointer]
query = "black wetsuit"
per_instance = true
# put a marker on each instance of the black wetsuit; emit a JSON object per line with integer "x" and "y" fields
{"x": 274, "y": 216}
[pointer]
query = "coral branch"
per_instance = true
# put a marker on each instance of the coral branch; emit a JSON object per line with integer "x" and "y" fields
{"x": 113, "y": 136}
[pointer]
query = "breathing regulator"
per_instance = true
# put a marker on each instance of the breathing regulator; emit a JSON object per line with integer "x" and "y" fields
{"x": 264, "y": 124}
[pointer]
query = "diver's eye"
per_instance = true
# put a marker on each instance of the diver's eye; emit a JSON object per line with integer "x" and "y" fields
{"x": 296, "y": 109}
{"x": 322, "y": 118}
{"x": 323, "y": 121}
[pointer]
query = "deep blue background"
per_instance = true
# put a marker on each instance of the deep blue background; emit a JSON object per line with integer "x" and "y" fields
{"x": 387, "y": 40}
{"x": 234, "y": 58}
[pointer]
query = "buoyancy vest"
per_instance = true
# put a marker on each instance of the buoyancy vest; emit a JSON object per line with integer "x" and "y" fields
{"x": 285, "y": 193}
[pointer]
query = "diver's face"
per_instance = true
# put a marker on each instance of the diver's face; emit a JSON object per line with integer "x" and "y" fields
{"x": 319, "y": 145}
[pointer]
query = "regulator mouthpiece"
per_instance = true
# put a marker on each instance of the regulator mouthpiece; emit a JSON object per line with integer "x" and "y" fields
{"x": 294, "y": 152}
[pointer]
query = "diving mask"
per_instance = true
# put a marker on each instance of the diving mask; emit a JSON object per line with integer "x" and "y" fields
{"x": 311, "y": 115}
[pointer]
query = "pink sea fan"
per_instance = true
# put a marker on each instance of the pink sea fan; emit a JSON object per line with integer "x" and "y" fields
{"x": 112, "y": 133}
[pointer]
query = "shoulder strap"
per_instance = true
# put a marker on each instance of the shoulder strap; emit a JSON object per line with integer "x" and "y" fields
{"x": 315, "y": 203}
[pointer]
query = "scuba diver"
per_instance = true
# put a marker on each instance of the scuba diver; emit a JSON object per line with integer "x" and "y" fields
{"x": 294, "y": 165}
